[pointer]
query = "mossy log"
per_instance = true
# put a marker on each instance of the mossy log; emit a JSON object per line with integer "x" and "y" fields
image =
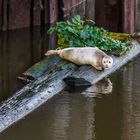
{"x": 37, "y": 70}
{"x": 125, "y": 36}
{"x": 50, "y": 82}
{"x": 35, "y": 93}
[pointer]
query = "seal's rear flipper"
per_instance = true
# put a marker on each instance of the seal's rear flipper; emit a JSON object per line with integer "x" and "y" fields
{"x": 52, "y": 52}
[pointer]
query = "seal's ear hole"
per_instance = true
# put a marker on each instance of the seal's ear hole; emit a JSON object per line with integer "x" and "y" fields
{"x": 104, "y": 62}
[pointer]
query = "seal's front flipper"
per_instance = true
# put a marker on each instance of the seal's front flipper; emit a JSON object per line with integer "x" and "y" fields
{"x": 98, "y": 68}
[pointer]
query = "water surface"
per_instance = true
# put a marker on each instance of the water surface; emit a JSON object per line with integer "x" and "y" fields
{"x": 76, "y": 115}
{"x": 19, "y": 50}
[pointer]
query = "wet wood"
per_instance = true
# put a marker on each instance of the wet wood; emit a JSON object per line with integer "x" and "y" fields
{"x": 65, "y": 8}
{"x": 19, "y": 14}
{"x": 77, "y": 7}
{"x": 128, "y": 17}
{"x": 138, "y": 16}
{"x": 90, "y": 14}
{"x": 4, "y": 15}
{"x": 107, "y": 14}
{"x": 36, "y": 10}
{"x": 40, "y": 68}
{"x": 118, "y": 16}
{"x": 34, "y": 94}
{"x": 110, "y": 14}
{"x": 74, "y": 7}
{"x": 0, "y": 14}
{"x": 53, "y": 11}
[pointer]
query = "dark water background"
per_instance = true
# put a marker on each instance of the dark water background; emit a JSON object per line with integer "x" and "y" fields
{"x": 74, "y": 114}
{"x": 19, "y": 50}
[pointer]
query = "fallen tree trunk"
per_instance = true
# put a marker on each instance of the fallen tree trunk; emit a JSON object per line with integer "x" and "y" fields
{"x": 49, "y": 82}
{"x": 40, "y": 68}
{"x": 34, "y": 94}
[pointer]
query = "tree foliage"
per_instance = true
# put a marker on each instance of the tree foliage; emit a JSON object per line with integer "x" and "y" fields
{"x": 80, "y": 33}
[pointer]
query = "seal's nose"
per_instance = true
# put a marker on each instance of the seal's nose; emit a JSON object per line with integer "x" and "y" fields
{"x": 106, "y": 66}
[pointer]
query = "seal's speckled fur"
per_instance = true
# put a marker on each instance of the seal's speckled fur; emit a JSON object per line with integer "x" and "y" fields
{"x": 86, "y": 55}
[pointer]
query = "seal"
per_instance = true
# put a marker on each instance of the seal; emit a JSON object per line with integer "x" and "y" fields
{"x": 86, "y": 55}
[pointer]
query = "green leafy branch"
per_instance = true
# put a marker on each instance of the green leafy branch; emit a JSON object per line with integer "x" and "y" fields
{"x": 80, "y": 33}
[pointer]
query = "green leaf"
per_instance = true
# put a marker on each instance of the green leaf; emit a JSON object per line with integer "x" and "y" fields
{"x": 79, "y": 33}
{"x": 51, "y": 30}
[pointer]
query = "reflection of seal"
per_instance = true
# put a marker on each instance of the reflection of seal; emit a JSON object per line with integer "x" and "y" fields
{"x": 103, "y": 87}
{"x": 86, "y": 55}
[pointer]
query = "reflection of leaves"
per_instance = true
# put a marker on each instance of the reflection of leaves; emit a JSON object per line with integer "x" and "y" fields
{"x": 78, "y": 33}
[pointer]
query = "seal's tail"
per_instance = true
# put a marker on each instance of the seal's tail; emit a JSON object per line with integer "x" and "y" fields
{"x": 52, "y": 52}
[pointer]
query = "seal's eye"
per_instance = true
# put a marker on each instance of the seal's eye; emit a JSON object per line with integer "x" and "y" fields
{"x": 109, "y": 61}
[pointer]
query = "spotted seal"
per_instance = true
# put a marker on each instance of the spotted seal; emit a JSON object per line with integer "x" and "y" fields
{"x": 86, "y": 55}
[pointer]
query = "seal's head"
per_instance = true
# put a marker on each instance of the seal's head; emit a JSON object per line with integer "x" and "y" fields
{"x": 107, "y": 62}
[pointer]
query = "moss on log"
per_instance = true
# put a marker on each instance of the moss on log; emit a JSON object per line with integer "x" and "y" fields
{"x": 37, "y": 70}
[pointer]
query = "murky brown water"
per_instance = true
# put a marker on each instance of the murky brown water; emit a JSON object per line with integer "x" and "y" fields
{"x": 75, "y": 114}
{"x": 103, "y": 112}
{"x": 19, "y": 49}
